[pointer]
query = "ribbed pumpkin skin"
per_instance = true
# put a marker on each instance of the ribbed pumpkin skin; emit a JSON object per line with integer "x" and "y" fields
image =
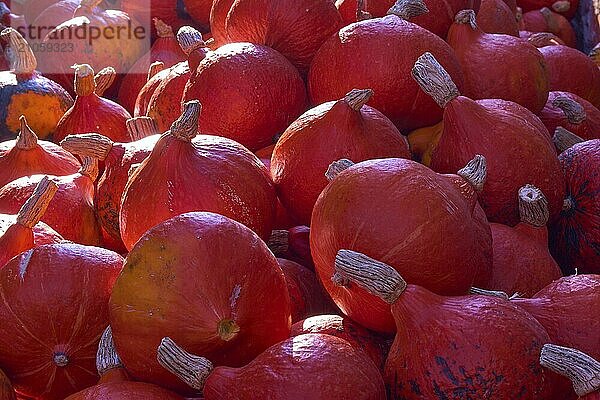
{"x": 39, "y": 318}
{"x": 125, "y": 391}
{"x": 164, "y": 105}
{"x": 263, "y": 93}
{"x": 6, "y": 390}
{"x": 395, "y": 210}
{"x": 575, "y": 235}
{"x": 554, "y": 117}
{"x": 190, "y": 299}
{"x": 146, "y": 92}
{"x": 346, "y": 61}
{"x": 311, "y": 366}
{"x": 320, "y": 136}
{"x": 42, "y": 101}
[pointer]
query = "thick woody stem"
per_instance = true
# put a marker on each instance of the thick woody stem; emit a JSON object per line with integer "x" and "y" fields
{"x": 475, "y": 172}
{"x": 533, "y": 206}
{"x": 191, "y": 369}
{"x": 580, "y": 368}
{"x": 92, "y": 145}
{"x": 27, "y": 139}
{"x": 34, "y": 208}
{"x": 408, "y": 9}
{"x": 228, "y": 329}
{"x": 561, "y": 6}
{"x": 186, "y": 127}
{"x": 106, "y": 356}
{"x": 104, "y": 79}
{"x": 491, "y": 293}
{"x": 155, "y": 68}
{"x": 357, "y": 98}
{"x": 361, "y": 13}
{"x": 542, "y": 39}
{"x": 564, "y": 139}
{"x": 466, "y": 17}
{"x": 19, "y": 53}
{"x": 595, "y": 54}
{"x": 337, "y": 167}
{"x": 279, "y": 241}
{"x": 434, "y": 80}
{"x": 141, "y": 127}
{"x": 162, "y": 29}
{"x": 189, "y": 39}
{"x": 574, "y": 111}
{"x": 85, "y": 84}
{"x": 89, "y": 168}
{"x": 375, "y": 277}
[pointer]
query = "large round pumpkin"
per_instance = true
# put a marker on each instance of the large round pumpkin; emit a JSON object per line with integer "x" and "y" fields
{"x": 125, "y": 391}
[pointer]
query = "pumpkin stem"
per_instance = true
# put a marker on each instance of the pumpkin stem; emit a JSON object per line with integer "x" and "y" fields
{"x": 466, "y": 17}
{"x": 356, "y": 98}
{"x": 186, "y": 127}
{"x": 408, "y": 9}
{"x": 27, "y": 139}
{"x": 89, "y": 168}
{"x": 564, "y": 139}
{"x": 561, "y": 6}
{"x": 106, "y": 356}
{"x": 595, "y": 54}
{"x": 133, "y": 169}
{"x": 568, "y": 204}
{"x": 361, "y": 13}
{"x": 91, "y": 145}
{"x": 542, "y": 39}
{"x": 141, "y": 127}
{"x": 377, "y": 278}
{"x": 434, "y": 80}
{"x": 533, "y": 206}
{"x": 60, "y": 359}
{"x": 580, "y": 368}
{"x": 155, "y": 68}
{"x": 20, "y": 56}
{"x": 191, "y": 369}
{"x": 279, "y": 241}
{"x": 491, "y": 293}
{"x": 162, "y": 29}
{"x": 104, "y": 79}
{"x": 475, "y": 172}
{"x": 34, "y": 208}
{"x": 337, "y": 167}
{"x": 228, "y": 329}
{"x": 85, "y": 84}
{"x": 189, "y": 39}
{"x": 574, "y": 111}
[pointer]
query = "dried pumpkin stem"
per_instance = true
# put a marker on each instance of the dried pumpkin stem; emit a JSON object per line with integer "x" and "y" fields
{"x": 228, "y": 329}
{"x": 434, "y": 80}
{"x": 490, "y": 293}
{"x": 574, "y": 111}
{"x": 34, "y": 208}
{"x": 533, "y": 206}
{"x": 361, "y": 13}
{"x": 189, "y": 39}
{"x": 191, "y": 369}
{"x": 27, "y": 139}
{"x": 408, "y": 9}
{"x": 141, "y": 127}
{"x": 580, "y": 368}
{"x": 106, "y": 356}
{"x": 133, "y": 169}
{"x": 155, "y": 68}
{"x": 595, "y": 54}
{"x": 186, "y": 127}
{"x": 561, "y": 6}
{"x": 337, "y": 167}
{"x": 374, "y": 276}
{"x": 92, "y": 145}
{"x": 466, "y": 17}
{"x": 542, "y": 39}
{"x": 357, "y": 98}
{"x": 61, "y": 359}
{"x": 279, "y": 241}
{"x": 564, "y": 139}
{"x": 85, "y": 84}
{"x": 89, "y": 167}
{"x": 20, "y": 56}
{"x": 104, "y": 80}
{"x": 163, "y": 30}
{"x": 475, "y": 172}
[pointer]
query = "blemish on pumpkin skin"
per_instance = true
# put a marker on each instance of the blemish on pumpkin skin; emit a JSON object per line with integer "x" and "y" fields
{"x": 446, "y": 370}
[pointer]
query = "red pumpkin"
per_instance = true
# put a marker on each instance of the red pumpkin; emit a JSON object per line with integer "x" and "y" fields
{"x": 580, "y": 368}
{"x": 164, "y": 104}
{"x": 20, "y": 236}
{"x": 567, "y": 8}
{"x": 6, "y": 390}
{"x": 573, "y": 113}
{"x": 245, "y": 110}
{"x": 51, "y": 17}
{"x": 55, "y": 311}
{"x": 541, "y": 39}
{"x": 346, "y": 128}
{"x": 125, "y": 391}
{"x": 545, "y": 20}
{"x": 329, "y": 368}
{"x": 218, "y": 18}
{"x": 396, "y": 210}
{"x": 92, "y": 113}
{"x": 24, "y": 91}
{"x": 519, "y": 72}
{"x": 71, "y": 212}
{"x": 186, "y": 172}
{"x": 118, "y": 158}
{"x": 346, "y": 61}
{"x": 495, "y": 16}
{"x": 231, "y": 316}
{"x": 575, "y": 235}
{"x": 155, "y": 74}
{"x": 32, "y": 8}
{"x": 372, "y": 344}
{"x": 108, "y": 363}
{"x": 522, "y": 262}
{"x": 29, "y": 156}
{"x": 507, "y": 134}
{"x": 165, "y": 49}
{"x": 169, "y": 11}
{"x": 293, "y": 244}
{"x": 199, "y": 10}
{"x": 468, "y": 358}
{"x": 295, "y": 28}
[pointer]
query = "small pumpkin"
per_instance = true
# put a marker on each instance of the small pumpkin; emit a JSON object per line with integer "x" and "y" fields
{"x": 24, "y": 91}
{"x": 495, "y": 16}
{"x": 579, "y": 367}
{"x": 546, "y": 20}
{"x": 155, "y": 73}
{"x": 573, "y": 113}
